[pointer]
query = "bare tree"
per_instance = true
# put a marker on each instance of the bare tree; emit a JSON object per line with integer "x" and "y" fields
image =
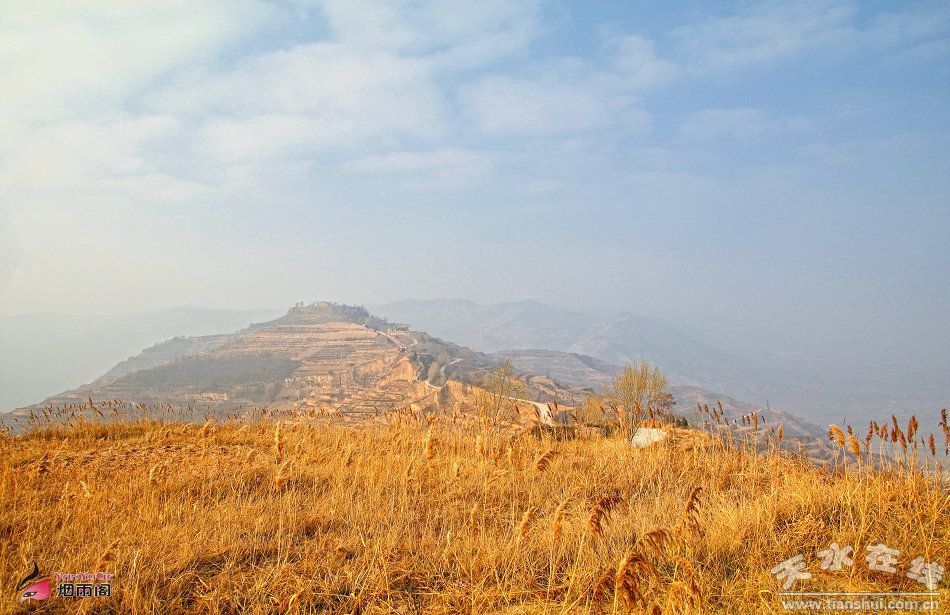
{"x": 496, "y": 399}
{"x": 639, "y": 389}
{"x": 591, "y": 409}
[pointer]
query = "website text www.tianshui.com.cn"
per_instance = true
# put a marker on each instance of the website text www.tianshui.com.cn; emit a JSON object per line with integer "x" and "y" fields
{"x": 851, "y": 602}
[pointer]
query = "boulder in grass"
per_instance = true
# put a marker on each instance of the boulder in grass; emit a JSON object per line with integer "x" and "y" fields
{"x": 645, "y": 436}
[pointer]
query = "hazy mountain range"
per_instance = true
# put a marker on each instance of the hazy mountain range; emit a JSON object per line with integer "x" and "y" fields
{"x": 819, "y": 387}
{"x": 44, "y": 354}
{"x": 328, "y": 357}
{"x": 615, "y": 338}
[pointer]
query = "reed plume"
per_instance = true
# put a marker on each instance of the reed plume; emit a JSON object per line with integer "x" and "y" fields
{"x": 541, "y": 463}
{"x": 600, "y": 512}
{"x": 836, "y": 435}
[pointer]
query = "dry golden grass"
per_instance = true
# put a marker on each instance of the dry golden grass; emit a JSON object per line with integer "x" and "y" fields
{"x": 293, "y": 516}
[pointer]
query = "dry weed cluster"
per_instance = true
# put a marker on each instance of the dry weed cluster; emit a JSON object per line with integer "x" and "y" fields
{"x": 288, "y": 514}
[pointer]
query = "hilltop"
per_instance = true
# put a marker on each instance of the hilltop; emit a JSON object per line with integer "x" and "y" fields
{"x": 323, "y": 356}
{"x": 332, "y": 358}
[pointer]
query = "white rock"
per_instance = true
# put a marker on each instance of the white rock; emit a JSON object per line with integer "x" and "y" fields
{"x": 645, "y": 436}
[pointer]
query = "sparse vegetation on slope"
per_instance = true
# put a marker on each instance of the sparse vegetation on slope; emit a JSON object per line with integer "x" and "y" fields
{"x": 438, "y": 514}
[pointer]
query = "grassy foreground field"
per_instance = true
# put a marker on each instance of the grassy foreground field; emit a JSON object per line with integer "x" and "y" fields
{"x": 407, "y": 516}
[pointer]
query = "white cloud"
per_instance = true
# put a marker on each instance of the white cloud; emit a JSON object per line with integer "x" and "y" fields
{"x": 507, "y": 105}
{"x": 375, "y": 81}
{"x": 67, "y": 159}
{"x": 315, "y": 96}
{"x": 65, "y": 59}
{"x": 744, "y": 124}
{"x": 569, "y": 95}
{"x": 639, "y": 65}
{"x": 909, "y": 28}
{"x": 431, "y": 169}
{"x": 268, "y": 135}
{"x": 762, "y": 33}
{"x": 710, "y": 123}
{"x": 429, "y": 26}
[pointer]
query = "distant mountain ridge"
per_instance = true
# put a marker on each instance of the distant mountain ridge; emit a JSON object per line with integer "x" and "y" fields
{"x": 814, "y": 385}
{"x": 615, "y": 337}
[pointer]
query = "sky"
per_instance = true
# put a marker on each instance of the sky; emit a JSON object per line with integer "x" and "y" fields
{"x": 767, "y": 172}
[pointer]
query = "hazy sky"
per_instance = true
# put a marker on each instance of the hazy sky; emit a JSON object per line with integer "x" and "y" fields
{"x": 776, "y": 167}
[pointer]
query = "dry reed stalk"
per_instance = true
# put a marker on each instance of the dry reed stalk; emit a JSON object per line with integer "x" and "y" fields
{"x": 689, "y": 520}
{"x": 153, "y": 474}
{"x": 493, "y": 478}
{"x": 542, "y": 462}
{"x": 429, "y": 446}
{"x": 109, "y": 554}
{"x": 559, "y": 518}
{"x": 281, "y": 476}
{"x": 600, "y": 588}
{"x": 278, "y": 444}
{"x": 836, "y": 435}
{"x": 685, "y": 596}
{"x": 525, "y": 524}
{"x": 407, "y": 475}
{"x": 654, "y": 542}
{"x": 600, "y": 512}
{"x": 626, "y": 588}
{"x": 622, "y": 418}
{"x": 472, "y": 513}
{"x": 853, "y": 446}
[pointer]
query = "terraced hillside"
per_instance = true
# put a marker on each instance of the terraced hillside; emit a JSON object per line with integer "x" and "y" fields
{"x": 323, "y": 356}
{"x": 327, "y": 358}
